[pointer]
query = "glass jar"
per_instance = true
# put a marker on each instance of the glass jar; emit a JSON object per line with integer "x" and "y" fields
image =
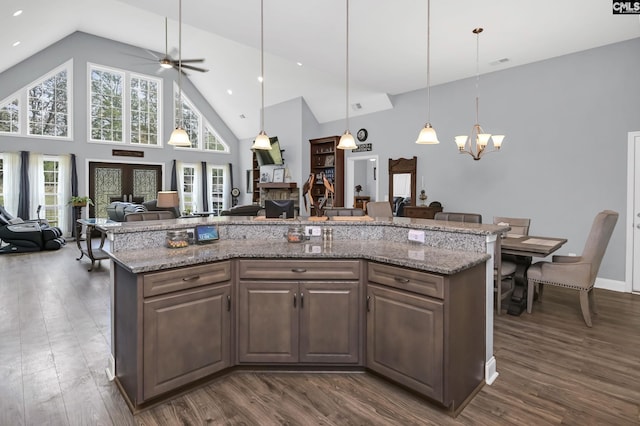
{"x": 295, "y": 234}
{"x": 177, "y": 239}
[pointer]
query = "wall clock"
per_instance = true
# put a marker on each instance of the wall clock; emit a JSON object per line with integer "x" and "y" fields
{"x": 235, "y": 192}
{"x": 362, "y": 135}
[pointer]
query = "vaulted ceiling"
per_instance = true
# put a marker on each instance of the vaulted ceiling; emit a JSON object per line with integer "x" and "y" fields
{"x": 304, "y": 42}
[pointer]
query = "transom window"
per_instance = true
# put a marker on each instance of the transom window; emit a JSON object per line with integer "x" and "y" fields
{"x": 10, "y": 116}
{"x": 48, "y": 105}
{"x": 201, "y": 134}
{"x": 124, "y": 107}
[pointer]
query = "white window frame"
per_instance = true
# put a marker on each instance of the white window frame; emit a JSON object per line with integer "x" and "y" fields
{"x": 126, "y": 107}
{"x": 196, "y": 192}
{"x": 202, "y": 124}
{"x": 225, "y": 192}
{"x": 124, "y": 101}
{"x": 22, "y": 95}
{"x": 7, "y": 101}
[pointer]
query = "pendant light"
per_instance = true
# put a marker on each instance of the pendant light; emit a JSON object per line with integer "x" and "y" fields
{"x": 346, "y": 140}
{"x": 476, "y": 144}
{"x": 262, "y": 140}
{"x": 179, "y": 136}
{"x": 428, "y": 134}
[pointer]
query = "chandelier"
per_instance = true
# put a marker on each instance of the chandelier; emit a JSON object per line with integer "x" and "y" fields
{"x": 346, "y": 140}
{"x": 476, "y": 144}
{"x": 428, "y": 134}
{"x": 262, "y": 140}
{"x": 179, "y": 136}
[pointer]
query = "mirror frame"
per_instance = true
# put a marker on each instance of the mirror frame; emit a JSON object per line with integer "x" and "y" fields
{"x": 403, "y": 165}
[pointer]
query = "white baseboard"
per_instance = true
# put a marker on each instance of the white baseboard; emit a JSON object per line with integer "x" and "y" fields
{"x": 613, "y": 285}
{"x": 111, "y": 368}
{"x": 490, "y": 373}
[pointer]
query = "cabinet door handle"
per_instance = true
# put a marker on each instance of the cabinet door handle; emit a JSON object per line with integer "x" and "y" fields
{"x": 228, "y": 303}
{"x": 298, "y": 270}
{"x": 401, "y": 280}
{"x": 368, "y": 300}
{"x": 295, "y": 301}
{"x": 194, "y": 278}
{"x": 301, "y": 300}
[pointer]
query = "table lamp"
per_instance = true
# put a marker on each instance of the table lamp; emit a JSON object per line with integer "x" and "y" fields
{"x": 168, "y": 199}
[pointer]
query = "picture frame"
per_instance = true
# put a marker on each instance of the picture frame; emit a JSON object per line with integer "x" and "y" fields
{"x": 265, "y": 177}
{"x": 278, "y": 175}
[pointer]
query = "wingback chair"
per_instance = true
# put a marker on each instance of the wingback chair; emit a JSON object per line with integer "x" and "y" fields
{"x": 576, "y": 272}
{"x": 505, "y": 265}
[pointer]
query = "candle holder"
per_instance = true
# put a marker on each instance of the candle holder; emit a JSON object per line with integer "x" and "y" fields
{"x": 423, "y": 197}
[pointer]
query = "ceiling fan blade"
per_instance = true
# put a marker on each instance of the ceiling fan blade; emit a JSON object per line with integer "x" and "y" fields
{"x": 192, "y": 60}
{"x": 191, "y": 67}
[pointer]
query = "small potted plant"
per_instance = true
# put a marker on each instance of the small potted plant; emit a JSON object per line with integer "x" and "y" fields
{"x": 358, "y": 189}
{"x": 78, "y": 201}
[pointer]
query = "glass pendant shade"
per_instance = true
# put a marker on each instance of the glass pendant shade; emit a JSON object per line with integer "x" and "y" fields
{"x": 347, "y": 141}
{"x": 179, "y": 137}
{"x": 428, "y": 136}
{"x": 497, "y": 141}
{"x": 461, "y": 141}
{"x": 262, "y": 141}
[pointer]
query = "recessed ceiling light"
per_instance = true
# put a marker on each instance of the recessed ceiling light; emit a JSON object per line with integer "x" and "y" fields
{"x": 260, "y": 78}
{"x": 17, "y": 12}
{"x": 299, "y": 64}
{"x": 230, "y": 92}
{"x": 15, "y": 43}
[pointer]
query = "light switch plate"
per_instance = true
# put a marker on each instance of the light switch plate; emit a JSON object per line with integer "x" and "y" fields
{"x": 417, "y": 236}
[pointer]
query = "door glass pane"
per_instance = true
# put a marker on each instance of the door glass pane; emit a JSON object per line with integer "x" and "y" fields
{"x": 108, "y": 183}
{"x": 145, "y": 184}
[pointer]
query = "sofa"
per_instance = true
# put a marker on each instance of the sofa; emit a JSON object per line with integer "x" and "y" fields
{"x": 459, "y": 217}
{"x": 343, "y": 211}
{"x": 118, "y": 210}
{"x": 243, "y": 210}
{"x": 142, "y": 216}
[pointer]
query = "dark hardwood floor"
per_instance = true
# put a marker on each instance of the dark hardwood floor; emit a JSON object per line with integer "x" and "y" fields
{"x": 55, "y": 333}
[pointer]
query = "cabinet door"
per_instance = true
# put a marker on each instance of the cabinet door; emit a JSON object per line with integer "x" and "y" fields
{"x": 268, "y": 321}
{"x": 187, "y": 336}
{"x": 329, "y": 322}
{"x": 405, "y": 339}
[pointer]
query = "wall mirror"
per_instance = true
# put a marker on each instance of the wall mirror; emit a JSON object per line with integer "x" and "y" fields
{"x": 402, "y": 181}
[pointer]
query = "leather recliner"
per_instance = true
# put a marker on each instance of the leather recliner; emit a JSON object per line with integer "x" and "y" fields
{"x": 23, "y": 236}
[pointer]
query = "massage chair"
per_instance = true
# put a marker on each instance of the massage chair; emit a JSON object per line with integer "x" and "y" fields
{"x": 20, "y": 236}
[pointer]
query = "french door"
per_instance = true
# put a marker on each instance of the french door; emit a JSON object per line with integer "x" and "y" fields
{"x": 110, "y": 182}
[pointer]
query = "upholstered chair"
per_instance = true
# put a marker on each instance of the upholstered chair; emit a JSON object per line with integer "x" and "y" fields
{"x": 576, "y": 272}
{"x": 379, "y": 209}
{"x": 504, "y": 281}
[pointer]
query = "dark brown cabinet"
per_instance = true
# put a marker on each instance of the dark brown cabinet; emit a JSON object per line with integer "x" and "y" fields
{"x": 423, "y": 330}
{"x": 173, "y": 327}
{"x": 187, "y": 336}
{"x": 328, "y": 160}
{"x": 298, "y": 321}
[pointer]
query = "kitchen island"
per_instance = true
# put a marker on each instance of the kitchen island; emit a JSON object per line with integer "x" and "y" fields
{"x": 369, "y": 300}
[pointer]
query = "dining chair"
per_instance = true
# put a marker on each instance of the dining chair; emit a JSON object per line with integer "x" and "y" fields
{"x": 504, "y": 270}
{"x": 379, "y": 209}
{"x": 576, "y": 272}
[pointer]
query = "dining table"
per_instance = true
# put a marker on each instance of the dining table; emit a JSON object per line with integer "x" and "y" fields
{"x": 522, "y": 249}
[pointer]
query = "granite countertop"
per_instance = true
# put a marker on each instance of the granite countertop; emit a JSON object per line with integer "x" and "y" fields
{"x": 409, "y": 255}
{"x": 397, "y": 222}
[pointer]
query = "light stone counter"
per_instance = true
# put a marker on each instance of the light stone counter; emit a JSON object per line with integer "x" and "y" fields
{"x": 410, "y": 255}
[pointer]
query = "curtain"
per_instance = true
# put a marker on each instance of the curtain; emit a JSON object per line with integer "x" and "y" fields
{"x": 11, "y": 182}
{"x": 174, "y": 177}
{"x": 74, "y": 192}
{"x": 63, "y": 192}
{"x": 23, "y": 191}
{"x": 205, "y": 198}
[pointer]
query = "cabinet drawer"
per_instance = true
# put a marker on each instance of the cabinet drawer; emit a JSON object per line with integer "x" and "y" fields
{"x": 300, "y": 269}
{"x": 183, "y": 278}
{"x": 417, "y": 282}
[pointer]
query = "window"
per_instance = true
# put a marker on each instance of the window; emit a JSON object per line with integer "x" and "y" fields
{"x": 9, "y": 116}
{"x": 145, "y": 97}
{"x": 48, "y": 105}
{"x": 201, "y": 134}
{"x": 124, "y": 107}
{"x": 52, "y": 191}
{"x": 189, "y": 188}
{"x": 217, "y": 193}
{"x": 106, "y": 108}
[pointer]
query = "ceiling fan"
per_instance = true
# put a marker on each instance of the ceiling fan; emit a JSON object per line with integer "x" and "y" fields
{"x": 168, "y": 62}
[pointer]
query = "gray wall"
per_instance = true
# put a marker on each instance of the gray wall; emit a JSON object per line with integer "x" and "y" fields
{"x": 85, "y": 48}
{"x": 564, "y": 156}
